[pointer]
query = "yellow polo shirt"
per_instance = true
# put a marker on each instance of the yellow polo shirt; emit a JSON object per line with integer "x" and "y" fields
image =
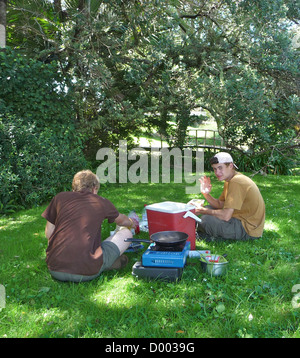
{"x": 242, "y": 194}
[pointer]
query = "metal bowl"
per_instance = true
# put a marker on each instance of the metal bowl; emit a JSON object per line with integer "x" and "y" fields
{"x": 214, "y": 268}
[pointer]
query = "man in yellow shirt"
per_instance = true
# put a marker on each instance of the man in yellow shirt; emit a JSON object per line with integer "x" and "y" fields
{"x": 239, "y": 213}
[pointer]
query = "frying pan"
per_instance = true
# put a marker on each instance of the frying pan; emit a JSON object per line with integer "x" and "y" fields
{"x": 164, "y": 238}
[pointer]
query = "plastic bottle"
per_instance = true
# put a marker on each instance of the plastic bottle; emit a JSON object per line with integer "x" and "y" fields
{"x": 197, "y": 253}
{"x": 134, "y": 217}
{"x": 144, "y": 214}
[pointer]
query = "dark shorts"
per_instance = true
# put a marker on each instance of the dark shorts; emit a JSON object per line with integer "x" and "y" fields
{"x": 110, "y": 253}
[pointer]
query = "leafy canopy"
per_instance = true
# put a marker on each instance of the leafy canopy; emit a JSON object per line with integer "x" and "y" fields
{"x": 148, "y": 64}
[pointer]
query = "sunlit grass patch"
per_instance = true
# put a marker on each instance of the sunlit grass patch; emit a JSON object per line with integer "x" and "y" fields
{"x": 253, "y": 300}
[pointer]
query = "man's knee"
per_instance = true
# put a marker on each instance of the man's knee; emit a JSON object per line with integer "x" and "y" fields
{"x": 207, "y": 222}
{"x": 119, "y": 239}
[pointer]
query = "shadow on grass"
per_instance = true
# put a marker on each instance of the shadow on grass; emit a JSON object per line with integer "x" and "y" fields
{"x": 259, "y": 282}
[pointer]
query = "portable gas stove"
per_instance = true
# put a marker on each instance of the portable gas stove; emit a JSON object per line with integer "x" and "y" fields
{"x": 162, "y": 263}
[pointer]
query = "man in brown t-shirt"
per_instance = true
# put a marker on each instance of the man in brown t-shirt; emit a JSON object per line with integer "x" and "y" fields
{"x": 75, "y": 250}
{"x": 239, "y": 213}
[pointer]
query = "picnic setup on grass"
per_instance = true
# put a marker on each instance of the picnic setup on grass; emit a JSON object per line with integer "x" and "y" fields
{"x": 172, "y": 232}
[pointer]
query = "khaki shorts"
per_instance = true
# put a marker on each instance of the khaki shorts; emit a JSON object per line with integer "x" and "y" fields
{"x": 216, "y": 228}
{"x": 110, "y": 253}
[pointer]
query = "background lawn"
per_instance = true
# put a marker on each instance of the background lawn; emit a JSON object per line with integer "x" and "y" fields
{"x": 253, "y": 300}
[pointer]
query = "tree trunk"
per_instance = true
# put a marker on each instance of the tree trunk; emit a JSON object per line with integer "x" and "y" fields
{"x": 3, "y": 24}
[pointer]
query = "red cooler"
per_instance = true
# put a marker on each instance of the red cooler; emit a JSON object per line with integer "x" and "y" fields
{"x": 168, "y": 216}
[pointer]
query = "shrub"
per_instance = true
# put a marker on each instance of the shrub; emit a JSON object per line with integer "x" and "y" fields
{"x": 35, "y": 91}
{"x": 40, "y": 149}
{"x": 35, "y": 164}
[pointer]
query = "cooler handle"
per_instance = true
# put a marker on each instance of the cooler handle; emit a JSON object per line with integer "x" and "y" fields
{"x": 189, "y": 214}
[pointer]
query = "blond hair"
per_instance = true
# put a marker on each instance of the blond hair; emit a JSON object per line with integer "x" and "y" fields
{"x": 85, "y": 179}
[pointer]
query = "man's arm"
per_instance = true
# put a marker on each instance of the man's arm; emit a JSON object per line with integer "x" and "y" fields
{"x": 123, "y": 220}
{"x": 222, "y": 214}
{"x": 215, "y": 203}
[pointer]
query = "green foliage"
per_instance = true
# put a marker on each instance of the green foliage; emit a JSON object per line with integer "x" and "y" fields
{"x": 39, "y": 148}
{"x": 35, "y": 164}
{"x": 257, "y": 116}
{"x": 34, "y": 91}
{"x": 148, "y": 64}
{"x": 272, "y": 161}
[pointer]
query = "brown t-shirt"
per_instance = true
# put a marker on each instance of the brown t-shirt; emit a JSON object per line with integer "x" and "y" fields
{"x": 243, "y": 195}
{"x": 74, "y": 246}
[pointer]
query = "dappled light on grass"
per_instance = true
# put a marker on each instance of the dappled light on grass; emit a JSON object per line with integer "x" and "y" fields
{"x": 271, "y": 226}
{"x": 253, "y": 299}
{"x": 15, "y": 223}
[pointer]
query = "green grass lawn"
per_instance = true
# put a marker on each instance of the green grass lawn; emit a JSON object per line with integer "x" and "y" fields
{"x": 253, "y": 300}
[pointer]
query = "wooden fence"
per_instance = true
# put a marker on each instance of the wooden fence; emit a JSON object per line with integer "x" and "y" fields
{"x": 200, "y": 138}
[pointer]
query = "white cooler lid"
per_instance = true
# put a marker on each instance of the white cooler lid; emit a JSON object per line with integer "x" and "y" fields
{"x": 170, "y": 207}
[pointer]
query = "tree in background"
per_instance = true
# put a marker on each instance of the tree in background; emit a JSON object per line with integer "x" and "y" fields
{"x": 2, "y": 24}
{"x": 148, "y": 64}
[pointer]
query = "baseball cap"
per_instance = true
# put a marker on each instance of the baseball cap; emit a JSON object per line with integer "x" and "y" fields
{"x": 223, "y": 157}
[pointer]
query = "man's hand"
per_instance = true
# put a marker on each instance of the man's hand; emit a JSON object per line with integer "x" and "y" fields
{"x": 205, "y": 185}
{"x": 201, "y": 211}
{"x": 123, "y": 220}
{"x": 198, "y": 203}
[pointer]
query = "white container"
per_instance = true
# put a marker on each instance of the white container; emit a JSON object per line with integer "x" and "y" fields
{"x": 198, "y": 253}
{"x": 170, "y": 207}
